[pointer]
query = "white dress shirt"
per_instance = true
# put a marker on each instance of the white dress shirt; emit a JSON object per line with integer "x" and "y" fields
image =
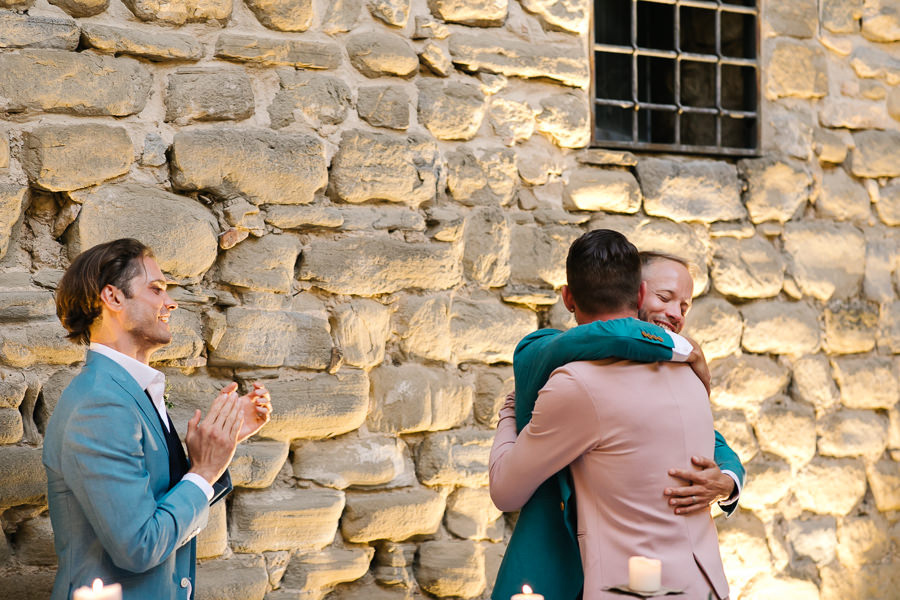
{"x": 154, "y": 382}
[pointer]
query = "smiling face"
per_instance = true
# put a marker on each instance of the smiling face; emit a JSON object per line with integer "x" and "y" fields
{"x": 145, "y": 314}
{"x": 669, "y": 294}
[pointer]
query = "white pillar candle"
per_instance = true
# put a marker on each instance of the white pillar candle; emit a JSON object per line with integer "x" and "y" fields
{"x": 527, "y": 594}
{"x": 98, "y": 591}
{"x": 644, "y": 574}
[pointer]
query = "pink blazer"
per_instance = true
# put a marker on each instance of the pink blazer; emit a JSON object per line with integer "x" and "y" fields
{"x": 620, "y": 425}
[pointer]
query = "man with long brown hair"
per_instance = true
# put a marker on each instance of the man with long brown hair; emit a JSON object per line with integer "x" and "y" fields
{"x": 125, "y": 501}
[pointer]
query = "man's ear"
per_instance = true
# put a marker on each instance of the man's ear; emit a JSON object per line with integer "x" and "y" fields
{"x": 567, "y": 298}
{"x": 642, "y": 294}
{"x": 111, "y": 297}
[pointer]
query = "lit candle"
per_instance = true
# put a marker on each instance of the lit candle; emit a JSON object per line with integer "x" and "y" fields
{"x": 527, "y": 594}
{"x": 98, "y": 591}
{"x": 644, "y": 574}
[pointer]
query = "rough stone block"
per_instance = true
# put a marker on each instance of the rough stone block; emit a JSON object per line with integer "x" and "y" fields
{"x": 28, "y": 583}
{"x": 411, "y": 397}
{"x": 379, "y": 166}
{"x": 881, "y": 21}
{"x": 841, "y": 16}
{"x": 744, "y": 548}
{"x": 486, "y": 330}
{"x": 874, "y": 582}
{"x": 512, "y": 121}
{"x": 384, "y": 106}
{"x": 68, "y": 157}
{"x": 256, "y": 464}
{"x": 262, "y": 166}
{"x": 491, "y": 387}
{"x": 26, "y": 31}
{"x": 451, "y": 568}
{"x": 284, "y": 519}
{"x": 480, "y": 13}
{"x": 361, "y": 330}
{"x": 862, "y": 539}
{"x": 660, "y": 235}
{"x": 565, "y": 119}
{"x": 391, "y": 515}
{"x": 4, "y": 151}
{"x": 75, "y": 83}
{"x": 830, "y": 486}
{"x": 317, "y": 405}
{"x": 455, "y": 458}
{"x": 771, "y": 482}
{"x": 262, "y": 264}
{"x": 185, "y": 247}
{"x": 770, "y": 586}
{"x": 569, "y": 15}
{"x": 884, "y": 479}
{"x": 746, "y": 381}
{"x": 11, "y": 429}
{"x": 607, "y": 190}
{"x": 213, "y": 539}
{"x": 179, "y": 12}
{"x": 828, "y": 259}
{"x": 22, "y": 477}
{"x": 842, "y": 199}
{"x": 850, "y": 327}
{"x": 716, "y": 325}
{"x": 34, "y": 542}
{"x": 378, "y": 54}
{"x": 876, "y": 154}
{"x": 778, "y": 327}
{"x": 451, "y": 110}
{"x": 423, "y": 323}
{"x": 776, "y": 188}
{"x": 488, "y": 177}
{"x": 151, "y": 44}
{"x": 881, "y": 251}
{"x": 887, "y": 204}
{"x": 797, "y": 70}
{"x": 700, "y": 190}
{"x": 367, "y": 266}
{"x": 848, "y": 433}
{"x": 487, "y": 246}
{"x": 311, "y": 573}
{"x": 510, "y": 56}
{"x": 376, "y": 460}
{"x": 746, "y": 268}
{"x": 13, "y": 386}
{"x": 889, "y": 327}
{"x": 472, "y": 515}
{"x": 538, "y": 254}
{"x": 12, "y": 200}
{"x": 300, "y": 217}
{"x": 237, "y": 577}
{"x": 866, "y": 381}
{"x": 283, "y": 15}
{"x": 321, "y": 99}
{"x": 186, "y": 343}
{"x": 436, "y": 59}
{"x": 21, "y": 305}
{"x": 814, "y": 537}
{"x": 813, "y": 382}
{"x": 788, "y": 429}
{"x": 278, "y": 51}
{"x": 796, "y": 18}
{"x": 392, "y": 12}
{"x": 198, "y": 94}
{"x": 38, "y": 342}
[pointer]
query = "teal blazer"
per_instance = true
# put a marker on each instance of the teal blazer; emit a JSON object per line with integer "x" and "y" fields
{"x": 543, "y": 551}
{"x": 113, "y": 514}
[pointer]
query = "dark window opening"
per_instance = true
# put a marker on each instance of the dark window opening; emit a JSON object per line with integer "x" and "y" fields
{"x": 677, "y": 75}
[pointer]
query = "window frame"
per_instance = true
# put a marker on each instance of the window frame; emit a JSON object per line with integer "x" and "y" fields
{"x": 718, "y": 110}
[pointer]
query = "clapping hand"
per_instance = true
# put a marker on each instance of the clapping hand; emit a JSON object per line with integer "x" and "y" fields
{"x": 256, "y": 408}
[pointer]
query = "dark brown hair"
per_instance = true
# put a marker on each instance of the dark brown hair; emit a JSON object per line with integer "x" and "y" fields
{"x": 114, "y": 263}
{"x": 604, "y": 272}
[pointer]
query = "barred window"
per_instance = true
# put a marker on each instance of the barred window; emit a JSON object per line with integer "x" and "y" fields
{"x": 676, "y": 75}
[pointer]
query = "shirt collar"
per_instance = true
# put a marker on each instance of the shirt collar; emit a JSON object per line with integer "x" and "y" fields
{"x": 145, "y": 375}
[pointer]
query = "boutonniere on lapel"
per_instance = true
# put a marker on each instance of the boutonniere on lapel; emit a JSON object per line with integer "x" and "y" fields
{"x": 168, "y": 403}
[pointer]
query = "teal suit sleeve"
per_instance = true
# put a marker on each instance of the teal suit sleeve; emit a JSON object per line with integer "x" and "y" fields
{"x": 105, "y": 466}
{"x": 728, "y": 460}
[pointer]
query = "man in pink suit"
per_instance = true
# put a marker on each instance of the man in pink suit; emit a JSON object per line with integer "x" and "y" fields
{"x": 619, "y": 426}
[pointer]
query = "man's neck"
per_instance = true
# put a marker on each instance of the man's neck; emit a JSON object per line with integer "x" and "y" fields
{"x": 123, "y": 345}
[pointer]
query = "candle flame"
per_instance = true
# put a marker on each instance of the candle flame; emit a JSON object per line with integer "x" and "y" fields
{"x": 97, "y": 586}
{"x": 526, "y": 589}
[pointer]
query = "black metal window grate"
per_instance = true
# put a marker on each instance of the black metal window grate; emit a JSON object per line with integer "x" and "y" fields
{"x": 677, "y": 75}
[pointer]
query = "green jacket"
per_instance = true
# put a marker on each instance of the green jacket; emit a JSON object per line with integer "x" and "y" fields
{"x": 543, "y": 551}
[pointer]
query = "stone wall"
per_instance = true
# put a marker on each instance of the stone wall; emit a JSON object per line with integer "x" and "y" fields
{"x": 366, "y": 204}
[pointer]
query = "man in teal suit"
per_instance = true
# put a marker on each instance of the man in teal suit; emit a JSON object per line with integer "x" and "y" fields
{"x": 125, "y": 501}
{"x": 547, "y": 521}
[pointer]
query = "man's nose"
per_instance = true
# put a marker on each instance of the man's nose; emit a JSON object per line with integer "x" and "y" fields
{"x": 170, "y": 304}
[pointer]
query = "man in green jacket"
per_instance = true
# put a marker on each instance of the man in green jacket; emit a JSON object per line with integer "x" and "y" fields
{"x": 543, "y": 551}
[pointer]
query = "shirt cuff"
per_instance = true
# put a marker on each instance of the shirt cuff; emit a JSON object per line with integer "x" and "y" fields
{"x": 682, "y": 348}
{"x": 200, "y": 483}
{"x": 735, "y": 494}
